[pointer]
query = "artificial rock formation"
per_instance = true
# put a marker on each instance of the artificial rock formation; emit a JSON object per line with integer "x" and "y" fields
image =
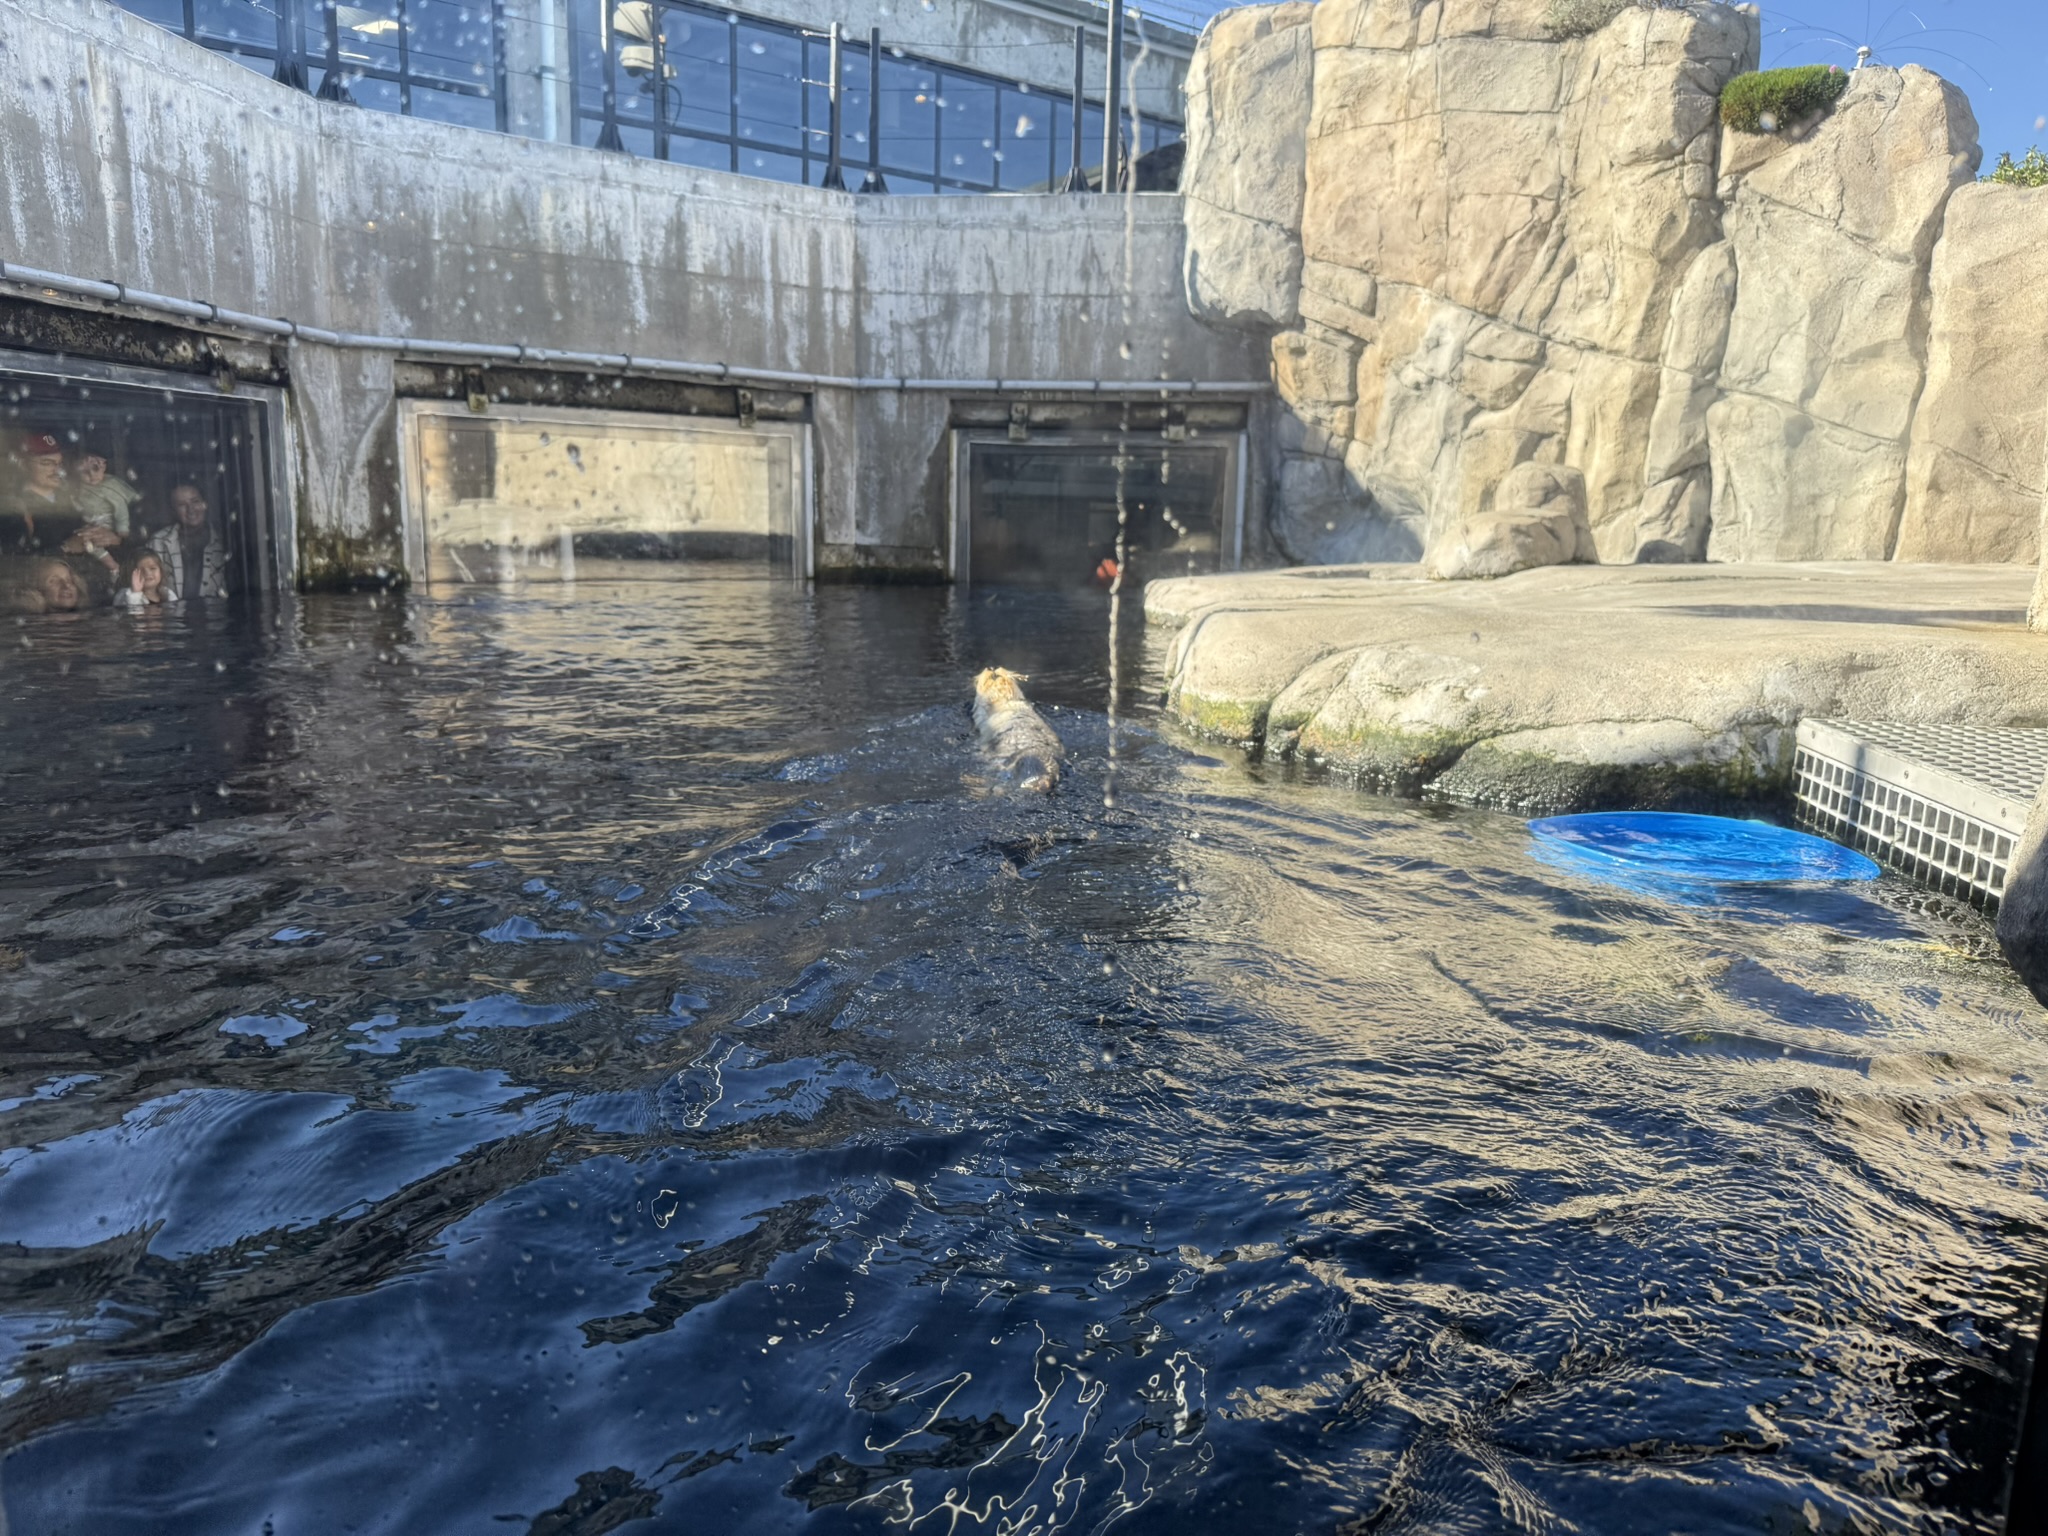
{"x": 1579, "y": 687}
{"x": 1538, "y": 517}
{"x": 1240, "y": 189}
{"x": 1514, "y": 249}
{"x": 1979, "y": 466}
{"x": 1833, "y": 236}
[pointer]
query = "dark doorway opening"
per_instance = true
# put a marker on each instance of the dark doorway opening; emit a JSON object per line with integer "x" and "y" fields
{"x": 1048, "y": 514}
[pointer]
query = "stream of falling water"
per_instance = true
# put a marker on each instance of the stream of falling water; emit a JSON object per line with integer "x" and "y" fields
{"x": 1116, "y": 603}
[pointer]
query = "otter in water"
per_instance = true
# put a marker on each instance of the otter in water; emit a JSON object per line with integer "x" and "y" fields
{"x": 1021, "y": 742}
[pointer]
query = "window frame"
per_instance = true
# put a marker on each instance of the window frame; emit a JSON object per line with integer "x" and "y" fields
{"x": 280, "y": 530}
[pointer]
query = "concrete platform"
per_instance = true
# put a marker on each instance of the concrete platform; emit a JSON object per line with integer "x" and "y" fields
{"x": 1576, "y": 687}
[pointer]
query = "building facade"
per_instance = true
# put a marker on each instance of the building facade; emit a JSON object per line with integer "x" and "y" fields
{"x": 397, "y": 348}
{"x": 969, "y": 96}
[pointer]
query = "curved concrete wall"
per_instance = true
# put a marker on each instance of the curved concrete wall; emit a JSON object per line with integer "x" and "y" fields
{"x": 128, "y": 153}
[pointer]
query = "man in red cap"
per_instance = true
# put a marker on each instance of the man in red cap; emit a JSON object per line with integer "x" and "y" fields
{"x": 35, "y": 513}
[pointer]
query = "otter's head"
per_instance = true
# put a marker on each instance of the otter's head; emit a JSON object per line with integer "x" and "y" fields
{"x": 999, "y": 685}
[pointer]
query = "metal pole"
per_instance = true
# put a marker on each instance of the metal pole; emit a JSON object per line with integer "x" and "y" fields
{"x": 835, "y": 175}
{"x": 289, "y": 71}
{"x": 657, "y": 24}
{"x": 332, "y": 86}
{"x": 873, "y": 182}
{"x": 404, "y": 60}
{"x": 1077, "y": 176}
{"x": 501, "y": 91}
{"x": 732, "y": 95}
{"x": 1112, "y": 104}
{"x": 608, "y": 136}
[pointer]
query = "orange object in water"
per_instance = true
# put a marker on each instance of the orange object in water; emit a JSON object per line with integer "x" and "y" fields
{"x": 1106, "y": 573}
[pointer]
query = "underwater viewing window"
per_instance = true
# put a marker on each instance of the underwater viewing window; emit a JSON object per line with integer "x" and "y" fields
{"x": 103, "y": 467}
{"x": 1044, "y": 512}
{"x": 534, "y": 493}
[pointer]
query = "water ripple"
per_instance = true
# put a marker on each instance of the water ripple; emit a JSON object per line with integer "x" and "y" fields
{"x": 611, "y": 1063}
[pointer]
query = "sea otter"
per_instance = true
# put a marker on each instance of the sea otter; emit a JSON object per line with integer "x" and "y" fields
{"x": 1021, "y": 743}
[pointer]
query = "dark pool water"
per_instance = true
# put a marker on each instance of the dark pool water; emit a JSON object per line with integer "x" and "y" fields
{"x": 606, "y": 1061}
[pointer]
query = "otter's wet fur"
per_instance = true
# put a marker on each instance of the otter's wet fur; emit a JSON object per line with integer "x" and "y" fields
{"x": 1013, "y": 733}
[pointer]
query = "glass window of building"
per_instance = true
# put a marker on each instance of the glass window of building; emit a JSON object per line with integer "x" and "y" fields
{"x": 696, "y": 84}
{"x": 967, "y": 131}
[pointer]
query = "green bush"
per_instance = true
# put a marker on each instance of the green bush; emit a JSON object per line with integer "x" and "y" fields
{"x": 1772, "y": 100}
{"x": 2030, "y": 172}
{"x": 1580, "y": 18}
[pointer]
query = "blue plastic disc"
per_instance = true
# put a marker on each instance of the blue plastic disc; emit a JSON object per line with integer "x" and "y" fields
{"x": 1669, "y": 853}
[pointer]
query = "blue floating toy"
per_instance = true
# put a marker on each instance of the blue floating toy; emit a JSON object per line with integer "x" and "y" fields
{"x": 1690, "y": 858}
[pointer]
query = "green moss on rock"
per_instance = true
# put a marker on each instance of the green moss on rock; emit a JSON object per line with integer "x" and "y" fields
{"x": 1533, "y": 784}
{"x": 1383, "y": 758}
{"x": 1582, "y": 18}
{"x": 1239, "y": 721}
{"x": 1777, "y": 100}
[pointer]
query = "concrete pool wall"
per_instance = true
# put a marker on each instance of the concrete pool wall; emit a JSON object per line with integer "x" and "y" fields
{"x": 131, "y": 155}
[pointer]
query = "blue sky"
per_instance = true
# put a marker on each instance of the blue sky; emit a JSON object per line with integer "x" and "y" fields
{"x": 1997, "y": 50}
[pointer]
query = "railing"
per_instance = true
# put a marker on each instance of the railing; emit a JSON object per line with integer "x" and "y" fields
{"x": 1183, "y": 17}
{"x": 698, "y": 84}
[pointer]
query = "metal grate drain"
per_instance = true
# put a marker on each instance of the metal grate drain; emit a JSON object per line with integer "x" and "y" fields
{"x": 1943, "y": 804}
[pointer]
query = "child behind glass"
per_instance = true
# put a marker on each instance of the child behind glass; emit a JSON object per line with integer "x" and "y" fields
{"x": 145, "y": 585}
{"x": 103, "y": 500}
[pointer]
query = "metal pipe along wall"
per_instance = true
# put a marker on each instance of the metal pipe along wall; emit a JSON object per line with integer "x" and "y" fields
{"x": 605, "y": 362}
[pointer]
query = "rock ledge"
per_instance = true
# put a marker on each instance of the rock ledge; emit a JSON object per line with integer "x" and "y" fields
{"x": 1578, "y": 687}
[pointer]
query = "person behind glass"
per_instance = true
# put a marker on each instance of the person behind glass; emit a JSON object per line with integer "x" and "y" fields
{"x": 35, "y": 513}
{"x": 105, "y": 503}
{"x": 146, "y": 585}
{"x": 47, "y": 586}
{"x": 195, "y": 561}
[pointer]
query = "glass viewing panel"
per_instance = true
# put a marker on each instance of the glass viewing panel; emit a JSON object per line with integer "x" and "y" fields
{"x": 545, "y": 495}
{"x": 99, "y": 478}
{"x": 1046, "y": 515}
{"x": 692, "y": 83}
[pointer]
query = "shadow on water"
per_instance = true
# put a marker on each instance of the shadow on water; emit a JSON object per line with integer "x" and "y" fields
{"x": 608, "y": 1060}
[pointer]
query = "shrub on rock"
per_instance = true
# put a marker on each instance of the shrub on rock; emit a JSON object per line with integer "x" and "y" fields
{"x": 2030, "y": 172}
{"x": 1774, "y": 100}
